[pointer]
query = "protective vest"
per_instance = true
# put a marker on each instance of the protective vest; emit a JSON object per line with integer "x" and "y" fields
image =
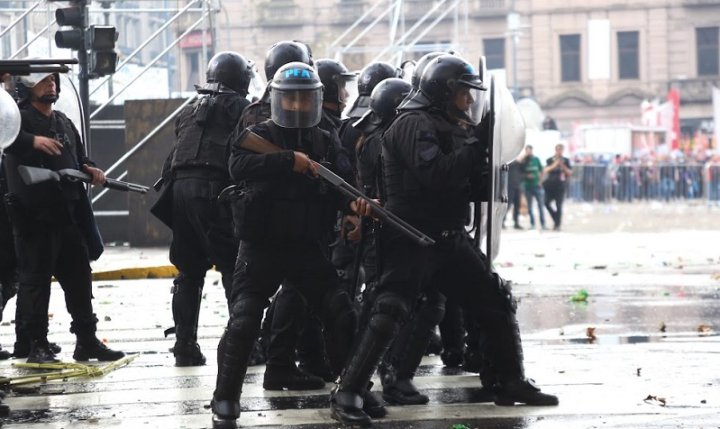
{"x": 202, "y": 130}
{"x": 47, "y": 194}
{"x": 441, "y": 207}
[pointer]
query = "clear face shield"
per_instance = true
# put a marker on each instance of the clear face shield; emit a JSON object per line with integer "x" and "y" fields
{"x": 256, "y": 89}
{"x": 466, "y": 104}
{"x": 296, "y": 108}
{"x": 347, "y": 94}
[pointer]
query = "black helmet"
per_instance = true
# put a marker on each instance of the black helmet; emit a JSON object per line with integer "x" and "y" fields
{"x": 285, "y": 52}
{"x": 296, "y": 96}
{"x": 231, "y": 70}
{"x": 444, "y": 75}
{"x": 370, "y": 76}
{"x": 420, "y": 67}
{"x": 373, "y": 74}
{"x": 334, "y": 75}
{"x": 384, "y": 101}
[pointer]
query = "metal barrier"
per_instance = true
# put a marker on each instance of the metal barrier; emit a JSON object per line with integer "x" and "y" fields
{"x": 712, "y": 183}
{"x": 628, "y": 182}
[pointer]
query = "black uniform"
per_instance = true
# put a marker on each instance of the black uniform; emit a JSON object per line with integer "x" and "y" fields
{"x": 195, "y": 173}
{"x": 428, "y": 165}
{"x": 281, "y": 219}
{"x": 54, "y": 229}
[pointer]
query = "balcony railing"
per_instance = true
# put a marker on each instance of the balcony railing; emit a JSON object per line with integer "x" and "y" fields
{"x": 696, "y": 90}
{"x": 489, "y": 7}
{"x": 280, "y": 12}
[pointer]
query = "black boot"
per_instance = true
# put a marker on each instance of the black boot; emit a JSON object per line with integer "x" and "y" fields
{"x": 21, "y": 349}
{"x": 233, "y": 355}
{"x": 524, "y": 392}
{"x": 346, "y": 403}
{"x": 372, "y": 406}
{"x": 4, "y": 354}
{"x": 290, "y": 378}
{"x": 91, "y": 348}
{"x": 4, "y": 410}
{"x": 188, "y": 354}
{"x": 187, "y": 295}
{"x": 347, "y": 408}
{"x": 403, "y": 392}
{"x": 408, "y": 350}
{"x": 311, "y": 350}
{"x": 40, "y": 352}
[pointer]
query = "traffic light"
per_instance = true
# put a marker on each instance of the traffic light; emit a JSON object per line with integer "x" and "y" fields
{"x": 71, "y": 17}
{"x": 101, "y": 43}
{"x": 96, "y": 43}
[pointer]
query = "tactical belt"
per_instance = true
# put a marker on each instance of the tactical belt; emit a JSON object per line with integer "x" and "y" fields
{"x": 201, "y": 173}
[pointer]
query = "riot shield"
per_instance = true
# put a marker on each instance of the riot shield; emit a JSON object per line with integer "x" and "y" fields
{"x": 68, "y": 102}
{"x": 9, "y": 118}
{"x": 505, "y": 139}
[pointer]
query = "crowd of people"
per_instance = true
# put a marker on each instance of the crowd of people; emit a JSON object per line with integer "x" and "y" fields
{"x": 253, "y": 189}
{"x": 625, "y": 178}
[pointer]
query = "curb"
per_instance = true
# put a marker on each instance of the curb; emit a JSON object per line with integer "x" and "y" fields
{"x": 159, "y": 272}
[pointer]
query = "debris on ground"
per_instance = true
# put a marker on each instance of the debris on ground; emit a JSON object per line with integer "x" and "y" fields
{"x": 580, "y": 296}
{"x": 655, "y": 400}
{"x": 590, "y": 333}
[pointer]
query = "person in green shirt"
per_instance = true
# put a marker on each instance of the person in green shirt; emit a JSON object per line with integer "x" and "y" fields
{"x": 531, "y": 184}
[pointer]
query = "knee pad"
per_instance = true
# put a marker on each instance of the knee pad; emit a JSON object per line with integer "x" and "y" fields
{"x": 184, "y": 283}
{"x": 246, "y": 315}
{"x": 388, "y": 312}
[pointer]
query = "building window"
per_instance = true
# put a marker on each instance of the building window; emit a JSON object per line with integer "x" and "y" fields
{"x": 628, "y": 54}
{"x": 707, "y": 51}
{"x": 570, "y": 58}
{"x": 5, "y": 45}
{"x": 494, "y": 53}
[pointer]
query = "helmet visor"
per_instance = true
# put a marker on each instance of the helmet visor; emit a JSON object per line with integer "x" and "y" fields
{"x": 466, "y": 103}
{"x": 351, "y": 96}
{"x": 345, "y": 83}
{"x": 296, "y": 108}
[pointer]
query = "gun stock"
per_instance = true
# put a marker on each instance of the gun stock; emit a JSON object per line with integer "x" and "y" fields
{"x": 35, "y": 175}
{"x": 257, "y": 144}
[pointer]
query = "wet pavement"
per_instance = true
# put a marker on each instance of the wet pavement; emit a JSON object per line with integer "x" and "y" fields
{"x": 619, "y": 313}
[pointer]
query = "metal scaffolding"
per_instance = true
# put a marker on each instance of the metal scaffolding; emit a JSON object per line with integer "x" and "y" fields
{"x": 392, "y": 16}
{"x": 22, "y": 31}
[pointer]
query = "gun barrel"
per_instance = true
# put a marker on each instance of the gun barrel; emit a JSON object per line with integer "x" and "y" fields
{"x": 119, "y": 185}
{"x": 380, "y": 211}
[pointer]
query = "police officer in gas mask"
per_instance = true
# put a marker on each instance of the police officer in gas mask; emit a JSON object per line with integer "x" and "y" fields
{"x": 433, "y": 162}
{"x": 194, "y": 174}
{"x": 281, "y": 217}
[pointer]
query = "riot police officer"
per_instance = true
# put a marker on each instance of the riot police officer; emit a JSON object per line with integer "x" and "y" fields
{"x": 400, "y": 362}
{"x": 53, "y": 224}
{"x": 432, "y": 165}
{"x": 281, "y": 217}
{"x": 194, "y": 174}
